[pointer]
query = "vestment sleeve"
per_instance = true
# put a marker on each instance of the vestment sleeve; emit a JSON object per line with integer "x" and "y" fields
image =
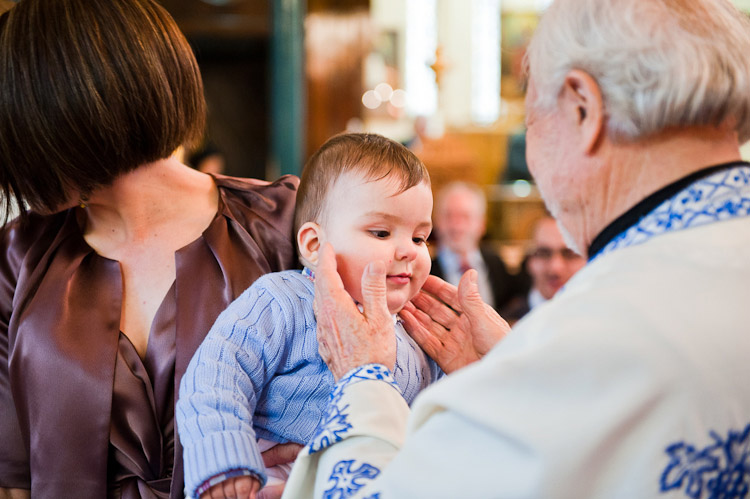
{"x": 366, "y": 420}
{"x": 221, "y": 387}
{"x": 368, "y": 447}
{"x": 525, "y": 421}
{"x": 14, "y": 461}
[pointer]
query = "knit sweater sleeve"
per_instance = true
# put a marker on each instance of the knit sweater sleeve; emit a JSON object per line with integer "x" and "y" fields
{"x": 220, "y": 389}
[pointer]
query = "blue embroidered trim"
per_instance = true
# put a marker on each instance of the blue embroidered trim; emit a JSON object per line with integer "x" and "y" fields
{"x": 335, "y": 424}
{"x": 347, "y": 481}
{"x": 721, "y": 196}
{"x": 720, "y": 470}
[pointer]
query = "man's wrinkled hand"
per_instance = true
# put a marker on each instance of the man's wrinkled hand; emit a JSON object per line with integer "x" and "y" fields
{"x": 348, "y": 338}
{"x": 453, "y": 325}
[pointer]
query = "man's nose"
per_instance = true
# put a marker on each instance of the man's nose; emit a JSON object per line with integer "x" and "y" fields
{"x": 556, "y": 262}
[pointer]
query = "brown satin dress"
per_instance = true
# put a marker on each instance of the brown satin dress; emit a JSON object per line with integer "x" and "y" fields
{"x": 98, "y": 420}
{"x": 141, "y": 438}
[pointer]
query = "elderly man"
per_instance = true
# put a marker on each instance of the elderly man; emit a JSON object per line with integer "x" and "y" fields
{"x": 633, "y": 381}
{"x": 460, "y": 218}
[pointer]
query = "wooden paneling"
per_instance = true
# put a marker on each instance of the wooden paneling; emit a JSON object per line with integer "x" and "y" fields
{"x": 339, "y": 6}
{"x": 232, "y": 40}
{"x": 5, "y": 5}
{"x": 336, "y": 44}
{"x": 235, "y": 78}
{"x": 222, "y": 18}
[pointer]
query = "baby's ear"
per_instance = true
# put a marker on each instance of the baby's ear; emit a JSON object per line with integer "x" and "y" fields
{"x": 309, "y": 240}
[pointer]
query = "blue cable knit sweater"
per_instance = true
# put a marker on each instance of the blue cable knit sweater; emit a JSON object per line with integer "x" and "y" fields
{"x": 258, "y": 374}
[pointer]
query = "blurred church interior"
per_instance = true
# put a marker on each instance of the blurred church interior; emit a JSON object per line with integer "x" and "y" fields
{"x": 442, "y": 76}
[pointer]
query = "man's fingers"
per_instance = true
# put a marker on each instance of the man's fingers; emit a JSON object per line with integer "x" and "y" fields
{"x": 324, "y": 351}
{"x": 468, "y": 292}
{"x": 419, "y": 319}
{"x": 281, "y": 454}
{"x": 447, "y": 293}
{"x": 437, "y": 310}
{"x": 374, "y": 290}
{"x": 428, "y": 341}
{"x": 329, "y": 283}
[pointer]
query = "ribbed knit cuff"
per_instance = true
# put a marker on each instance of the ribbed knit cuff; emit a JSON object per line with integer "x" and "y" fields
{"x": 219, "y": 453}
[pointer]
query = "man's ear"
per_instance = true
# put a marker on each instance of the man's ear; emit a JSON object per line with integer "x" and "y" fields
{"x": 309, "y": 240}
{"x": 582, "y": 100}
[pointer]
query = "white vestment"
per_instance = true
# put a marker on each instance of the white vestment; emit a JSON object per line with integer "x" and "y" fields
{"x": 633, "y": 382}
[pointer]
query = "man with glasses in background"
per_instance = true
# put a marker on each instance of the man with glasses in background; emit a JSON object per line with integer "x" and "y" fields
{"x": 550, "y": 263}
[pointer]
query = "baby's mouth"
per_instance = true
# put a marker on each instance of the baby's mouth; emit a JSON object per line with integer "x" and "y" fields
{"x": 402, "y": 278}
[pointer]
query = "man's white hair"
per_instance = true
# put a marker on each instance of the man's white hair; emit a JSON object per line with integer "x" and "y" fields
{"x": 658, "y": 63}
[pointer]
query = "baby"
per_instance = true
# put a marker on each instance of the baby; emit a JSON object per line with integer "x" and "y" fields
{"x": 257, "y": 379}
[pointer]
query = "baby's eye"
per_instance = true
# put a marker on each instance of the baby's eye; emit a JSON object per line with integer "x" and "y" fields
{"x": 418, "y": 240}
{"x": 380, "y": 234}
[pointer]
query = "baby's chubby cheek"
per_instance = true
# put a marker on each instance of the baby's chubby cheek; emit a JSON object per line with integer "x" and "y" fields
{"x": 351, "y": 276}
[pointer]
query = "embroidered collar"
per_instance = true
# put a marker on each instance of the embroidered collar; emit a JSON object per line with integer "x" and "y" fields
{"x": 710, "y": 195}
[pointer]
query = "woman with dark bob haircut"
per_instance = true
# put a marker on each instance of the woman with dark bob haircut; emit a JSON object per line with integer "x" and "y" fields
{"x": 122, "y": 257}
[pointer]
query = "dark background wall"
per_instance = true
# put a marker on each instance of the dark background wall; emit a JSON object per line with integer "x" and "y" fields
{"x": 270, "y": 103}
{"x": 232, "y": 40}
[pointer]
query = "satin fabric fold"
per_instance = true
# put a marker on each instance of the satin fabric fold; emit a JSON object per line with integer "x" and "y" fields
{"x": 61, "y": 303}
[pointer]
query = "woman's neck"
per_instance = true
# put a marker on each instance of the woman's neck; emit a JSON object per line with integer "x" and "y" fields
{"x": 164, "y": 200}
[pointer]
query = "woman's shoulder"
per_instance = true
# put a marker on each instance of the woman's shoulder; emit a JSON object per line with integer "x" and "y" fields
{"x": 260, "y": 195}
{"x": 20, "y": 237}
{"x": 248, "y": 201}
{"x": 262, "y": 213}
{"x": 25, "y": 244}
{"x": 253, "y": 184}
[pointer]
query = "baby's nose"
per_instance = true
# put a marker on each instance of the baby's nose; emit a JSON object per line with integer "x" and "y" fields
{"x": 406, "y": 250}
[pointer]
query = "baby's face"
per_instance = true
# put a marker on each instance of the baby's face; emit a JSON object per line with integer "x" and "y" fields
{"x": 367, "y": 220}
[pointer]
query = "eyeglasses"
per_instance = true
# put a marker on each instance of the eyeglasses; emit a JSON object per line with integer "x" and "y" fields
{"x": 544, "y": 253}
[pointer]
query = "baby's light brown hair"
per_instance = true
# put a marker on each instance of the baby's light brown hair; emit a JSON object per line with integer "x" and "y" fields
{"x": 373, "y": 156}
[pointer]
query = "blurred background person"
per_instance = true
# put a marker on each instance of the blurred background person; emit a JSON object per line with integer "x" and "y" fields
{"x": 550, "y": 263}
{"x": 460, "y": 219}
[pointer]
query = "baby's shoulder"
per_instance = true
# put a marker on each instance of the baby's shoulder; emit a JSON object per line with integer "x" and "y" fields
{"x": 285, "y": 281}
{"x": 288, "y": 289}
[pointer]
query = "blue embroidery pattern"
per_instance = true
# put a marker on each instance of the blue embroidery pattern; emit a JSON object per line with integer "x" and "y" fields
{"x": 720, "y": 196}
{"x": 347, "y": 481}
{"x": 721, "y": 470}
{"x": 334, "y": 423}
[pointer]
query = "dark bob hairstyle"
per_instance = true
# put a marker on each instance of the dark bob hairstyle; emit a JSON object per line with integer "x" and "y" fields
{"x": 90, "y": 90}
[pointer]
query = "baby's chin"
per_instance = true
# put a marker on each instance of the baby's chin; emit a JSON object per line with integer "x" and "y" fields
{"x": 395, "y": 304}
{"x": 396, "y": 307}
